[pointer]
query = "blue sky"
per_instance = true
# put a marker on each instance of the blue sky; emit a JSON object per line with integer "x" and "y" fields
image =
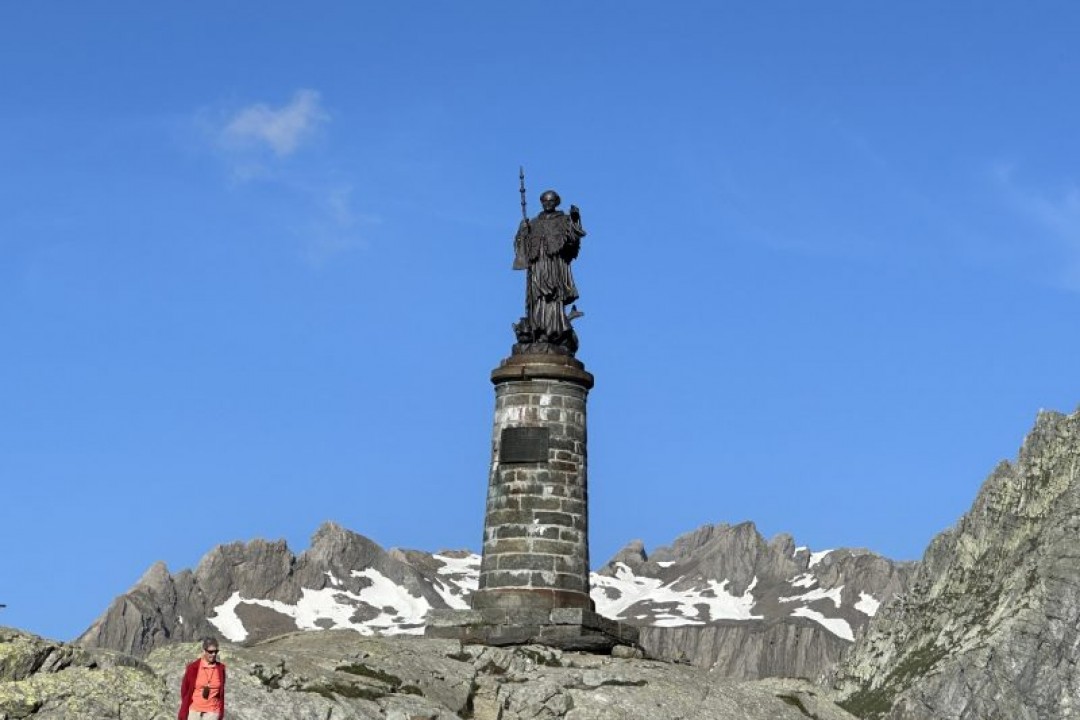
{"x": 255, "y": 268}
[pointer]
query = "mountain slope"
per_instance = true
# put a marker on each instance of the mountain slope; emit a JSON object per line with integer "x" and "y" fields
{"x": 249, "y": 592}
{"x": 720, "y": 596}
{"x": 723, "y": 597}
{"x": 990, "y": 627}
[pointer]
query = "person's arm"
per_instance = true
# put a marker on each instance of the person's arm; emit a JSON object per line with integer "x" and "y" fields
{"x": 222, "y": 716}
{"x": 187, "y": 686}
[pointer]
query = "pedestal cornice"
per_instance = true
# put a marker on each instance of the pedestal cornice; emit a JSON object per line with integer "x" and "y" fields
{"x": 542, "y": 366}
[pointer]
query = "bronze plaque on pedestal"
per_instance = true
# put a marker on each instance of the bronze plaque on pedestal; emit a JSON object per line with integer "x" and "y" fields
{"x": 524, "y": 445}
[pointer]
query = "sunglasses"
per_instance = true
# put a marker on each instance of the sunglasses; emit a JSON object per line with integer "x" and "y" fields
{"x": 211, "y": 652}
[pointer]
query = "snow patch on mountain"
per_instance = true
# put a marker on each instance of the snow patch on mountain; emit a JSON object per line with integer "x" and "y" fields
{"x": 457, "y": 577}
{"x": 391, "y": 609}
{"x": 388, "y": 608}
{"x": 615, "y": 595}
{"x": 817, "y": 594}
{"x": 399, "y": 612}
{"x": 467, "y": 567}
{"x": 867, "y": 604}
{"x": 399, "y": 607}
{"x": 837, "y": 626}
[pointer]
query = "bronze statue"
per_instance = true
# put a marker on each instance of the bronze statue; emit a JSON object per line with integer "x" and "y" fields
{"x": 544, "y": 247}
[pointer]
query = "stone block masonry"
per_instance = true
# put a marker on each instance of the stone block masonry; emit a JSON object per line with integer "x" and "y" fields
{"x": 536, "y": 547}
{"x": 534, "y": 575}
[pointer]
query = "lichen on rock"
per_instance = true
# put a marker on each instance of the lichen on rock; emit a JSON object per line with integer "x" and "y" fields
{"x": 990, "y": 627}
{"x": 346, "y": 676}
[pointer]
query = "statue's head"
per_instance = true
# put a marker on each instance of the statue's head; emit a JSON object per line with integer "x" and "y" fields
{"x": 550, "y": 200}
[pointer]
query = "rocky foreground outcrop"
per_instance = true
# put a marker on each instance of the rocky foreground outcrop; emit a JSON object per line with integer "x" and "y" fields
{"x": 50, "y": 680}
{"x": 341, "y": 675}
{"x": 720, "y": 597}
{"x": 990, "y": 628}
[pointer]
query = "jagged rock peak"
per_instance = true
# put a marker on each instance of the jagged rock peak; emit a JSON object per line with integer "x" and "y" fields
{"x": 708, "y": 534}
{"x": 157, "y": 575}
{"x": 990, "y": 627}
{"x": 331, "y": 541}
{"x": 330, "y": 534}
{"x": 783, "y": 543}
{"x": 725, "y": 597}
{"x": 633, "y": 554}
{"x": 246, "y": 592}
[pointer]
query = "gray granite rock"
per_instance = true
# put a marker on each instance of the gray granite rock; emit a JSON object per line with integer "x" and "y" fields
{"x": 990, "y": 627}
{"x": 164, "y": 608}
{"x": 344, "y": 676}
{"x": 48, "y": 680}
{"x": 838, "y": 591}
{"x": 792, "y": 647}
{"x": 798, "y": 610}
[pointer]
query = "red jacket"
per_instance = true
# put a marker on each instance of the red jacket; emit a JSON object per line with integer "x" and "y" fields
{"x": 187, "y": 687}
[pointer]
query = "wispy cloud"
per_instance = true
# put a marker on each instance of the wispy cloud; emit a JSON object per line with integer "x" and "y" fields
{"x": 268, "y": 148}
{"x": 282, "y": 129}
{"x": 1054, "y": 212}
{"x": 335, "y": 226}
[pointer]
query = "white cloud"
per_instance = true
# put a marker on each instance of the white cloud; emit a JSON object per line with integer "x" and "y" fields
{"x": 282, "y": 129}
{"x": 261, "y": 146}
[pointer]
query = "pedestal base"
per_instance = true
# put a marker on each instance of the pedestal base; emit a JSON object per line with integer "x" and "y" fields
{"x": 563, "y": 628}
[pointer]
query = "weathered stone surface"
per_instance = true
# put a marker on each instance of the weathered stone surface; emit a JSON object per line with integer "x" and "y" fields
{"x": 345, "y": 676}
{"x": 990, "y": 627}
{"x": 47, "y": 680}
{"x": 673, "y": 587}
{"x": 163, "y": 608}
{"x": 566, "y": 628}
{"x": 23, "y": 655}
{"x": 536, "y": 519}
{"x": 770, "y": 580}
{"x": 789, "y": 647}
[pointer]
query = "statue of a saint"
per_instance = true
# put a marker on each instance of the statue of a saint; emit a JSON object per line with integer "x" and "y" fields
{"x": 544, "y": 247}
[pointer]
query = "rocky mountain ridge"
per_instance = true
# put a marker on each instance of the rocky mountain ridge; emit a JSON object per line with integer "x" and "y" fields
{"x": 990, "y": 626}
{"x": 724, "y": 597}
{"x": 718, "y": 597}
{"x": 985, "y": 627}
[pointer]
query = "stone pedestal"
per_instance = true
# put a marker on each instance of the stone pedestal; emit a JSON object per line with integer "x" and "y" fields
{"x": 564, "y": 628}
{"x": 536, "y": 542}
{"x": 534, "y": 576}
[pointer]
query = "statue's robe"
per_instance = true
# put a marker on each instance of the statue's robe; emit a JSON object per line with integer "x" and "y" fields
{"x": 545, "y": 247}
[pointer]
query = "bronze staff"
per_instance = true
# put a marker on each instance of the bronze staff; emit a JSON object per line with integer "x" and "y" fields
{"x": 521, "y": 189}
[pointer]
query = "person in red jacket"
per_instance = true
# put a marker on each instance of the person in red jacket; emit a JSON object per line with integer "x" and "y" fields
{"x": 202, "y": 691}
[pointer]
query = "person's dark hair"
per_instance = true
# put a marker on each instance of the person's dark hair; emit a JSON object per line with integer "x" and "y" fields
{"x": 208, "y": 642}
